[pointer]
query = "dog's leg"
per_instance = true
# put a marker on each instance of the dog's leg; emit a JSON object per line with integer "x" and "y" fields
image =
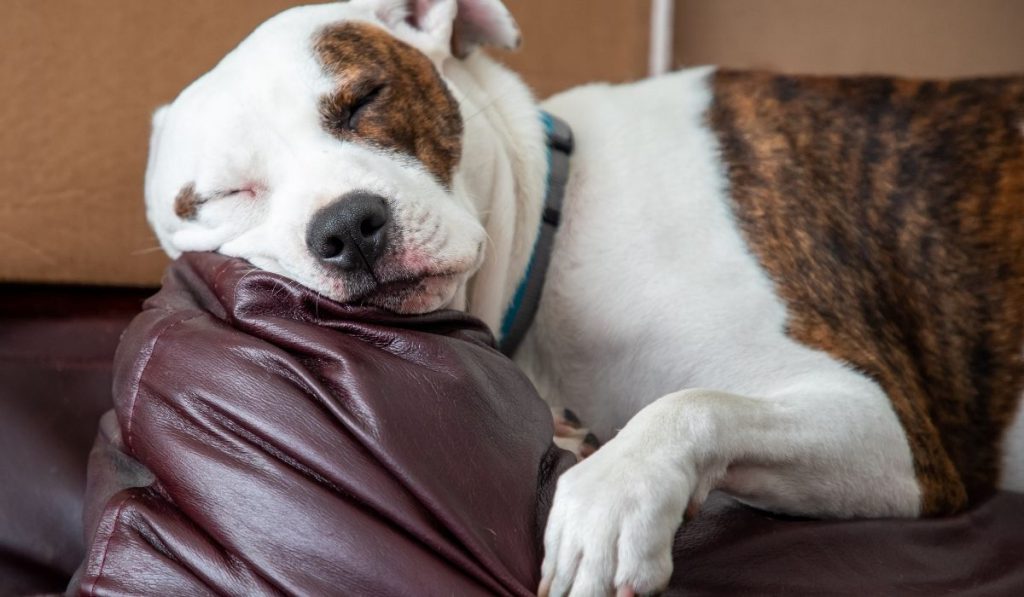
{"x": 820, "y": 453}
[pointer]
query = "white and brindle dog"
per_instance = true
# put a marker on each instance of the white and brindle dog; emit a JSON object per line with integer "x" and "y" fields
{"x": 806, "y": 292}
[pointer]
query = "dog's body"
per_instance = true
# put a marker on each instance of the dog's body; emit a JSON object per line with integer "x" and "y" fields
{"x": 838, "y": 261}
{"x": 806, "y": 292}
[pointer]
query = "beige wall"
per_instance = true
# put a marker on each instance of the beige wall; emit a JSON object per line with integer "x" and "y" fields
{"x": 932, "y": 38}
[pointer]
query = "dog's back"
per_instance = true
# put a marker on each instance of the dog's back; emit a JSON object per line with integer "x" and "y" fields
{"x": 887, "y": 214}
{"x": 827, "y": 317}
{"x": 890, "y": 216}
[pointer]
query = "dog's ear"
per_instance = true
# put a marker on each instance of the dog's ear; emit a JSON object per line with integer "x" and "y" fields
{"x": 462, "y": 25}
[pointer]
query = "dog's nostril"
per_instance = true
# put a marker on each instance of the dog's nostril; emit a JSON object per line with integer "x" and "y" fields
{"x": 330, "y": 248}
{"x": 373, "y": 223}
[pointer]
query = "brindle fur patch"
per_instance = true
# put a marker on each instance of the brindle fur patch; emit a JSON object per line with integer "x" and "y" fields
{"x": 187, "y": 202}
{"x": 890, "y": 216}
{"x": 413, "y": 112}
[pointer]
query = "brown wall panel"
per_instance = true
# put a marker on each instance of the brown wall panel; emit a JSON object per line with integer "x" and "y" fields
{"x": 935, "y": 38}
{"x": 80, "y": 79}
{"x": 571, "y": 42}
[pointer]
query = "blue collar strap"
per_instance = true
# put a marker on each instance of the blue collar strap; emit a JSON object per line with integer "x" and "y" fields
{"x": 523, "y": 307}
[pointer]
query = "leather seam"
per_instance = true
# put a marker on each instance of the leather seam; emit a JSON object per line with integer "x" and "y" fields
{"x": 106, "y": 544}
{"x": 137, "y": 383}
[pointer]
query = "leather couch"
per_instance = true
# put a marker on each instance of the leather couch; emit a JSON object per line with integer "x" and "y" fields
{"x": 56, "y": 349}
{"x": 272, "y": 443}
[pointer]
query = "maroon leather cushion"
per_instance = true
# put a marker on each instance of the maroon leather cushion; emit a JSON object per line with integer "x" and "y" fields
{"x": 294, "y": 444}
{"x": 730, "y": 549}
{"x": 267, "y": 440}
{"x": 56, "y": 349}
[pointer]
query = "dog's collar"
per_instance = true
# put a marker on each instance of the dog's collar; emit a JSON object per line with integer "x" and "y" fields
{"x": 523, "y": 307}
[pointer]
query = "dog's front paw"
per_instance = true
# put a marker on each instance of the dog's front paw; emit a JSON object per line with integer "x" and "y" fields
{"x": 611, "y": 525}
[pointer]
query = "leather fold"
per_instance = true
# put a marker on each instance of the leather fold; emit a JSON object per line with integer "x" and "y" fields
{"x": 266, "y": 440}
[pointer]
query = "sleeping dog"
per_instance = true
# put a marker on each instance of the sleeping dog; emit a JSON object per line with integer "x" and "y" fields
{"x": 806, "y": 292}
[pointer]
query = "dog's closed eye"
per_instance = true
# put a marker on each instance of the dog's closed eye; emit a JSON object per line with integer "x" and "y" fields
{"x": 247, "y": 191}
{"x": 188, "y": 201}
{"x": 356, "y": 110}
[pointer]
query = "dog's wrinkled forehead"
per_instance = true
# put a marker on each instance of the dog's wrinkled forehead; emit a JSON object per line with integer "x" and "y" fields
{"x": 369, "y": 88}
{"x": 388, "y": 94}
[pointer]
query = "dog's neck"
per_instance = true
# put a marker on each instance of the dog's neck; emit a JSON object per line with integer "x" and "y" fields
{"x": 503, "y": 170}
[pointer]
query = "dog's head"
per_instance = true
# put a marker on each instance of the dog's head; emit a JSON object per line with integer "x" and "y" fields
{"x": 327, "y": 147}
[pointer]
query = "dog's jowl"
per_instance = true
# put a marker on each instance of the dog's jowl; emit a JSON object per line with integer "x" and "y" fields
{"x": 805, "y": 292}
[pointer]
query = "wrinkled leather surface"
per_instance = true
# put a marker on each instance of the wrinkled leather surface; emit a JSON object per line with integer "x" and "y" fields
{"x": 294, "y": 445}
{"x": 302, "y": 446}
{"x": 730, "y": 549}
{"x": 56, "y": 348}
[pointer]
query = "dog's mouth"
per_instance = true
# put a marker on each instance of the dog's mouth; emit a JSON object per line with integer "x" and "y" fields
{"x": 407, "y": 283}
{"x": 410, "y": 294}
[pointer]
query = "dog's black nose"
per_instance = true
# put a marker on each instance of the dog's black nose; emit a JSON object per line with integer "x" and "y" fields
{"x": 351, "y": 233}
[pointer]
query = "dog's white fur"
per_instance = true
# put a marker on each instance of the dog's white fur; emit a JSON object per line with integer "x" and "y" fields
{"x": 657, "y": 326}
{"x": 652, "y": 290}
{"x": 252, "y": 125}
